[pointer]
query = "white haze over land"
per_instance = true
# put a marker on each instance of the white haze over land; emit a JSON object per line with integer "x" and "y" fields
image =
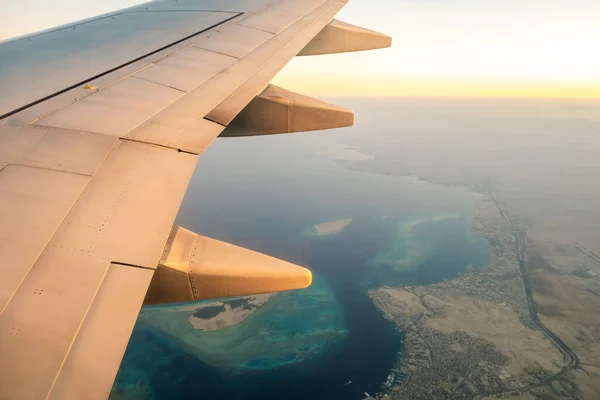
{"x": 540, "y": 157}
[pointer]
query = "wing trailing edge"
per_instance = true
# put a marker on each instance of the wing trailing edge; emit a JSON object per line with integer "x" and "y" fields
{"x": 277, "y": 110}
{"x": 195, "y": 267}
{"x": 341, "y": 37}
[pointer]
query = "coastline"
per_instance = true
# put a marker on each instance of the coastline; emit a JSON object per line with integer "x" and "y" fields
{"x": 479, "y": 319}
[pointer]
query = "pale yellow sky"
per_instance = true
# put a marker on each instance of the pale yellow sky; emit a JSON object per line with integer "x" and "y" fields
{"x": 507, "y": 48}
{"x": 489, "y": 48}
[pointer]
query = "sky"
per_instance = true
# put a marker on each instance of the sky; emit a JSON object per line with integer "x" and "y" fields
{"x": 481, "y": 48}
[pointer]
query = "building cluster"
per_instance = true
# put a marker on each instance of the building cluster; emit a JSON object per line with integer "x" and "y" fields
{"x": 438, "y": 365}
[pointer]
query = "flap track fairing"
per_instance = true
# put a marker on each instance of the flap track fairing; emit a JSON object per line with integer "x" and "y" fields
{"x": 277, "y": 110}
{"x": 195, "y": 267}
{"x": 340, "y": 37}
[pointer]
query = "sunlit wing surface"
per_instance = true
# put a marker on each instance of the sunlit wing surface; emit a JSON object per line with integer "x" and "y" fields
{"x": 101, "y": 124}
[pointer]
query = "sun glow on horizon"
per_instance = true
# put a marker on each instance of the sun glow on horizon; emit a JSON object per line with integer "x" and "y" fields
{"x": 478, "y": 48}
{"x": 437, "y": 88}
{"x": 465, "y": 48}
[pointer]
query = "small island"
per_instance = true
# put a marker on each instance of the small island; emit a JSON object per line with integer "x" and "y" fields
{"x": 222, "y": 314}
{"x": 330, "y": 228}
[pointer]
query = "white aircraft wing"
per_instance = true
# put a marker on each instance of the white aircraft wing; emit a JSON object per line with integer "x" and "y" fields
{"x": 101, "y": 124}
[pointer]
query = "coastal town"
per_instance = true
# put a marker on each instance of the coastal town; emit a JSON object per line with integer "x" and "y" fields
{"x": 479, "y": 336}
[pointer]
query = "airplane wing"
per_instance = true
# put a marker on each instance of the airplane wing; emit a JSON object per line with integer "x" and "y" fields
{"x": 101, "y": 124}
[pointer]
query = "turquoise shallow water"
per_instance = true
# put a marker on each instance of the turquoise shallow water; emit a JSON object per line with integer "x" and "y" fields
{"x": 270, "y": 338}
{"x": 326, "y": 342}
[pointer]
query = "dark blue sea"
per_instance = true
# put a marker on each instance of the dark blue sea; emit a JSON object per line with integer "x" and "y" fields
{"x": 329, "y": 341}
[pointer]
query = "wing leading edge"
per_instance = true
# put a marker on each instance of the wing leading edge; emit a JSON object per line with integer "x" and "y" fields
{"x": 102, "y": 123}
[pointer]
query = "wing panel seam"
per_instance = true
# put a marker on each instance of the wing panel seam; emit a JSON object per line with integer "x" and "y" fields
{"x": 157, "y": 83}
{"x": 132, "y": 265}
{"x": 87, "y": 311}
{"x": 12, "y": 296}
{"x": 8, "y": 114}
{"x": 25, "y": 165}
{"x": 162, "y": 146}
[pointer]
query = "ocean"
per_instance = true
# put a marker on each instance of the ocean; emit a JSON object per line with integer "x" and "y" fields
{"x": 329, "y": 341}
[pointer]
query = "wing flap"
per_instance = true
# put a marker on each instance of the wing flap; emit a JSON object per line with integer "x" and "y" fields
{"x": 127, "y": 211}
{"x": 124, "y": 215}
{"x": 40, "y": 322}
{"x": 93, "y": 360}
{"x": 31, "y": 208}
